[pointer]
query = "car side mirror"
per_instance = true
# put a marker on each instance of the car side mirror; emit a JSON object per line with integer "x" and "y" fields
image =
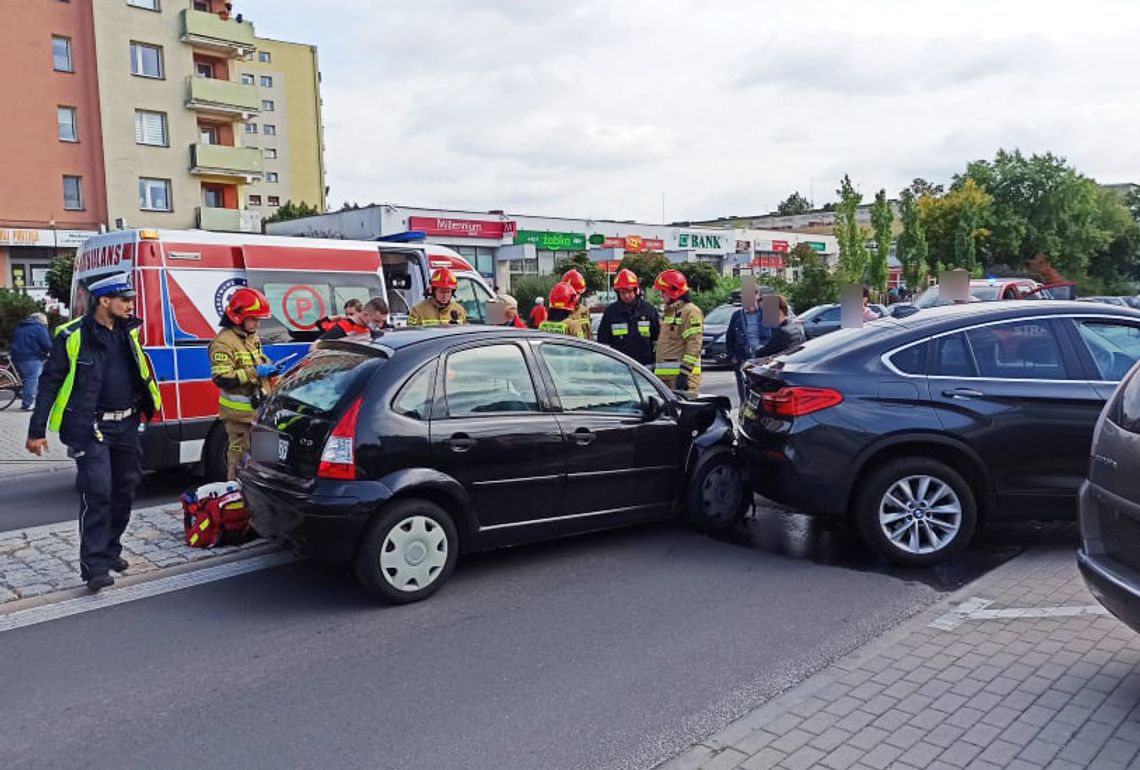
{"x": 651, "y": 408}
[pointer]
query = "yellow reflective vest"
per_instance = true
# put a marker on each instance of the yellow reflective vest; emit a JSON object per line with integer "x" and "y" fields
{"x": 570, "y": 326}
{"x": 234, "y": 355}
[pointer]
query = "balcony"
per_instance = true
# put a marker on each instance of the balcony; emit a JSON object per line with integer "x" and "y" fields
{"x": 222, "y": 97}
{"x": 210, "y": 32}
{"x": 218, "y": 160}
{"x": 229, "y": 220}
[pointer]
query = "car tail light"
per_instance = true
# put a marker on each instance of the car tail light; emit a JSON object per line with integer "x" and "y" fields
{"x": 798, "y": 401}
{"x": 338, "y": 460}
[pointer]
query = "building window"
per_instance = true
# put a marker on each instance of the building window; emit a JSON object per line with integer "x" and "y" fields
{"x": 271, "y": 176}
{"x": 73, "y": 193}
{"x": 209, "y": 135}
{"x": 214, "y": 197}
{"x": 274, "y": 200}
{"x": 266, "y": 81}
{"x": 255, "y": 200}
{"x": 270, "y": 153}
{"x": 251, "y": 128}
{"x": 204, "y": 69}
{"x": 146, "y": 60}
{"x": 154, "y": 194}
{"x": 264, "y": 57}
{"x": 202, "y": 5}
{"x": 150, "y": 128}
{"x": 67, "y": 126}
{"x": 269, "y": 129}
{"x": 267, "y": 105}
{"x": 247, "y": 79}
{"x": 150, "y": 5}
{"x": 61, "y": 54}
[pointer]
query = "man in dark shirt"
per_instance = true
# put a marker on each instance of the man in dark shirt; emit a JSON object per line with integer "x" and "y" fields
{"x": 631, "y": 324}
{"x": 785, "y": 336}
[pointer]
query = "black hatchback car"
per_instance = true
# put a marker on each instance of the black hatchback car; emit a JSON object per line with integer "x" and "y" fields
{"x": 921, "y": 428}
{"x": 394, "y": 454}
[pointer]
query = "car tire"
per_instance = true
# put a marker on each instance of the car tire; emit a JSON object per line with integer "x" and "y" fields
{"x": 936, "y": 520}
{"x": 408, "y": 553}
{"x": 717, "y": 495}
{"x": 215, "y": 460}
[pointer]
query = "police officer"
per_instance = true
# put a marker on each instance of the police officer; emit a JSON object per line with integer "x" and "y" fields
{"x": 94, "y": 386}
{"x": 577, "y": 282}
{"x": 562, "y": 320}
{"x": 241, "y": 370}
{"x": 679, "y": 346}
{"x": 439, "y": 309}
{"x": 631, "y": 324}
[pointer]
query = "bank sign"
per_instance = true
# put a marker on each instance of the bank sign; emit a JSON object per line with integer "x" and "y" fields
{"x": 547, "y": 241}
{"x": 702, "y": 242}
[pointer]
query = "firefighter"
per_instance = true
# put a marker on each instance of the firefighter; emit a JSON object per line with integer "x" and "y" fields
{"x": 563, "y": 302}
{"x": 95, "y": 386}
{"x": 577, "y": 282}
{"x": 241, "y": 370}
{"x": 630, "y": 325}
{"x": 679, "y": 346}
{"x": 439, "y": 309}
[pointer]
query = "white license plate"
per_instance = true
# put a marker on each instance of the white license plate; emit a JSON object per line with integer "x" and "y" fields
{"x": 282, "y": 449}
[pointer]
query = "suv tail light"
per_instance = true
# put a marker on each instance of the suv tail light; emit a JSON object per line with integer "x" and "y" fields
{"x": 798, "y": 401}
{"x": 338, "y": 460}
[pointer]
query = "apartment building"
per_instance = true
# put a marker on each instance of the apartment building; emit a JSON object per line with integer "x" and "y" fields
{"x": 142, "y": 113}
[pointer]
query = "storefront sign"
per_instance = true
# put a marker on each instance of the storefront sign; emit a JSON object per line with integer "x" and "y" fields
{"x": 743, "y": 247}
{"x": 597, "y": 239}
{"x": 779, "y": 246}
{"x": 769, "y": 260}
{"x": 701, "y": 242}
{"x": 816, "y": 245}
{"x": 634, "y": 244}
{"x": 547, "y": 241}
{"x": 463, "y": 228}
{"x": 11, "y": 236}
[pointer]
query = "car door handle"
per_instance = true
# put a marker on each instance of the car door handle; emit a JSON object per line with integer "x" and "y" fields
{"x": 460, "y": 442}
{"x": 583, "y": 436}
{"x": 963, "y": 393}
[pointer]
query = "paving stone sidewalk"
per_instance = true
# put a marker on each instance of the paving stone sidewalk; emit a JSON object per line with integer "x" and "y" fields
{"x": 1020, "y": 670}
{"x": 15, "y": 460}
{"x": 42, "y": 560}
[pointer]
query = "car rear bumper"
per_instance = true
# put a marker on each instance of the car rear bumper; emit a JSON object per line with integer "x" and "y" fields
{"x": 775, "y": 467}
{"x": 1108, "y": 529}
{"x": 324, "y": 519}
{"x": 1115, "y": 592}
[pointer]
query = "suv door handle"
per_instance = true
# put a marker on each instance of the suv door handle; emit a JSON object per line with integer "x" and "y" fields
{"x": 583, "y": 436}
{"x": 460, "y": 442}
{"x": 963, "y": 393}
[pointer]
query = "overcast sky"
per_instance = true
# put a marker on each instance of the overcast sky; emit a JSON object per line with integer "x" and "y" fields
{"x": 602, "y": 109}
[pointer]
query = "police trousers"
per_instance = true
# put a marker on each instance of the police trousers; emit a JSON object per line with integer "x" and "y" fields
{"x": 108, "y": 470}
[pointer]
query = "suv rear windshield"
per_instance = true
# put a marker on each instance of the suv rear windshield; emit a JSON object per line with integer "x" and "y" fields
{"x": 323, "y": 378}
{"x": 837, "y": 342}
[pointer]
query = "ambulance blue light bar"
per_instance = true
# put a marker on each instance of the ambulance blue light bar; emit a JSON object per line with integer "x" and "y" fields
{"x": 409, "y": 236}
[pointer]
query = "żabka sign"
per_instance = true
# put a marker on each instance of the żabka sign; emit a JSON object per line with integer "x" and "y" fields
{"x": 463, "y": 228}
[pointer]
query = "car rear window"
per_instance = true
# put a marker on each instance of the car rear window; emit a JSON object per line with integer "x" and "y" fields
{"x": 323, "y": 378}
{"x": 911, "y": 360}
{"x": 840, "y": 341}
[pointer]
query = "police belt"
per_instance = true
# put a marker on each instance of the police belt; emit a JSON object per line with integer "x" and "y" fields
{"x": 114, "y": 416}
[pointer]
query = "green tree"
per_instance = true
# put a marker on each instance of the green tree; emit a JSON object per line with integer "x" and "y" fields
{"x": 700, "y": 275}
{"x": 953, "y": 224}
{"x": 853, "y": 254}
{"x": 920, "y": 187}
{"x": 595, "y": 279}
{"x": 1132, "y": 201}
{"x": 646, "y": 266}
{"x": 816, "y": 285}
{"x": 794, "y": 204}
{"x": 59, "y": 277}
{"x": 290, "y": 210}
{"x": 15, "y": 306}
{"x": 912, "y": 249}
{"x": 882, "y": 218}
{"x": 1119, "y": 260}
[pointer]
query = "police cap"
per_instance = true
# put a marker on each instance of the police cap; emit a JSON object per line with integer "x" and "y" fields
{"x": 116, "y": 285}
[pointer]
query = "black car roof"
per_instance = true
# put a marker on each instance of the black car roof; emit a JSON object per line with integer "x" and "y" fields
{"x": 981, "y": 312}
{"x": 394, "y": 340}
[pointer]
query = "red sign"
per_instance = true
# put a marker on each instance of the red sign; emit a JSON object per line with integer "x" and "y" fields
{"x": 464, "y": 228}
{"x": 613, "y": 243}
{"x": 769, "y": 260}
{"x": 653, "y": 244}
{"x": 303, "y": 306}
{"x": 634, "y": 244}
{"x": 779, "y": 245}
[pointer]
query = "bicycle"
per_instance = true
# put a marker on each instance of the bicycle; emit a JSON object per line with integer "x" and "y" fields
{"x": 10, "y": 382}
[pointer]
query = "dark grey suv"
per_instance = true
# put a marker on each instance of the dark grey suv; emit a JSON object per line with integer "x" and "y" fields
{"x": 1109, "y": 506}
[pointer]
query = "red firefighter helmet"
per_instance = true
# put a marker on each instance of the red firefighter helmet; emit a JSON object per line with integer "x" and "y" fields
{"x": 247, "y": 303}
{"x": 672, "y": 285}
{"x": 563, "y": 297}
{"x": 575, "y": 279}
{"x": 442, "y": 278}
{"x": 626, "y": 279}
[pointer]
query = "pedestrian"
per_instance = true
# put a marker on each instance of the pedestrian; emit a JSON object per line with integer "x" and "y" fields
{"x": 746, "y": 333}
{"x": 630, "y": 325}
{"x": 869, "y": 313}
{"x": 577, "y": 282}
{"x": 538, "y": 313}
{"x": 785, "y": 336}
{"x": 679, "y": 346}
{"x": 439, "y": 309}
{"x": 375, "y": 314}
{"x": 563, "y": 302}
{"x": 94, "y": 387}
{"x": 512, "y": 312}
{"x": 241, "y": 370}
{"x": 30, "y": 346}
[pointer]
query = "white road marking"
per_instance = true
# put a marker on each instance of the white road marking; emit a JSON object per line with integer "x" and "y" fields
{"x": 977, "y": 609}
{"x": 112, "y": 596}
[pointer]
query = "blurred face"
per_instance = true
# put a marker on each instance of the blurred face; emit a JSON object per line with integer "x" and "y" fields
{"x": 250, "y": 325}
{"x": 443, "y": 296}
{"x": 627, "y": 295}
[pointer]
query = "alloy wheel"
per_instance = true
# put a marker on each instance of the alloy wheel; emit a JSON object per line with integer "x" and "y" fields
{"x": 920, "y": 514}
{"x": 414, "y": 553}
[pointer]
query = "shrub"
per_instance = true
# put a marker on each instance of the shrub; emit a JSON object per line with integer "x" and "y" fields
{"x": 15, "y": 306}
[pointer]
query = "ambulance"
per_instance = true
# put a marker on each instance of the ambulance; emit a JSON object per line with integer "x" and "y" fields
{"x": 184, "y": 278}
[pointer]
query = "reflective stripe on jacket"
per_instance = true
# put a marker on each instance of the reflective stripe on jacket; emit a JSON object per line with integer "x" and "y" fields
{"x": 234, "y": 355}
{"x": 571, "y": 327}
{"x": 429, "y": 313}
{"x": 679, "y": 346}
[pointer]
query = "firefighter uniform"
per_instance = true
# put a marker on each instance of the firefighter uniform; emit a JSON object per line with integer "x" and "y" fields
{"x": 581, "y": 314}
{"x": 570, "y": 326}
{"x": 430, "y": 313}
{"x": 234, "y": 357}
{"x": 679, "y": 346}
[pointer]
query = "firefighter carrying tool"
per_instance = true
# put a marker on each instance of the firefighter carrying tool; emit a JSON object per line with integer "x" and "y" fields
{"x": 563, "y": 301}
{"x": 240, "y": 370}
{"x": 577, "y": 282}
{"x": 439, "y": 309}
{"x": 679, "y": 346}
